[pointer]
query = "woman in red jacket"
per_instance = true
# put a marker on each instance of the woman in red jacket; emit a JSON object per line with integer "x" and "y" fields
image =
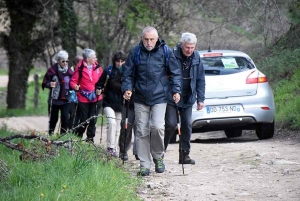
{"x": 85, "y": 77}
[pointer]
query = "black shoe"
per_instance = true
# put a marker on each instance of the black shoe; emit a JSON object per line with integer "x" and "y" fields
{"x": 184, "y": 158}
{"x": 143, "y": 172}
{"x": 137, "y": 157}
{"x": 123, "y": 156}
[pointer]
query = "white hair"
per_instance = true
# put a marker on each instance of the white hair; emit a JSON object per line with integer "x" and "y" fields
{"x": 87, "y": 53}
{"x": 62, "y": 55}
{"x": 188, "y": 38}
{"x": 149, "y": 29}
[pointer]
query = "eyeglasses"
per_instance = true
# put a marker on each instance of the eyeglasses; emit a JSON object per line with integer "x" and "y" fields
{"x": 65, "y": 61}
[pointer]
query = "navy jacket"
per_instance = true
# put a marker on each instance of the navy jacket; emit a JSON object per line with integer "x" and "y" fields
{"x": 149, "y": 79}
{"x": 197, "y": 81}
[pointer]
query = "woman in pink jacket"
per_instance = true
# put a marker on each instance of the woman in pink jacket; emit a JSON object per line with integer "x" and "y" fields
{"x": 85, "y": 77}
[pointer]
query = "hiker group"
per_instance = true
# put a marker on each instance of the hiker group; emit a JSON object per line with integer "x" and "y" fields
{"x": 142, "y": 93}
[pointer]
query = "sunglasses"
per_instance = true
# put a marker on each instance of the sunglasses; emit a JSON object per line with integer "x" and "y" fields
{"x": 65, "y": 61}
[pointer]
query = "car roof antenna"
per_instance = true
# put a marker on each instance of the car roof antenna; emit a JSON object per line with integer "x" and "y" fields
{"x": 210, "y": 33}
{"x": 209, "y": 50}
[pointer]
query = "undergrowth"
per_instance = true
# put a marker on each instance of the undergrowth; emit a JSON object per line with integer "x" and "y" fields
{"x": 84, "y": 174}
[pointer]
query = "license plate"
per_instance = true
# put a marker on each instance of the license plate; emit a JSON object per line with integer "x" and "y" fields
{"x": 223, "y": 109}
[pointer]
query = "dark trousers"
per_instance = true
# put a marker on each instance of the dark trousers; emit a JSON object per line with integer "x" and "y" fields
{"x": 72, "y": 115}
{"x": 171, "y": 126}
{"x": 64, "y": 117}
{"x": 85, "y": 111}
{"x": 126, "y": 136}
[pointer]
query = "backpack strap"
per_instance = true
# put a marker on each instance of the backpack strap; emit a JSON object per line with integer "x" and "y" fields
{"x": 80, "y": 69}
{"x": 166, "y": 54}
{"x": 137, "y": 53}
{"x": 108, "y": 70}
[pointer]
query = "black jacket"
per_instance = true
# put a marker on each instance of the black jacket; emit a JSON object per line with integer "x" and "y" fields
{"x": 110, "y": 81}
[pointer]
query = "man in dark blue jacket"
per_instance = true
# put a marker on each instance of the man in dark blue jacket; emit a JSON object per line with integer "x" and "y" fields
{"x": 152, "y": 79}
{"x": 192, "y": 90}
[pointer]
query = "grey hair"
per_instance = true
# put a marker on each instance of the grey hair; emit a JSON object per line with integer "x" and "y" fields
{"x": 149, "y": 29}
{"x": 87, "y": 53}
{"x": 188, "y": 38}
{"x": 62, "y": 55}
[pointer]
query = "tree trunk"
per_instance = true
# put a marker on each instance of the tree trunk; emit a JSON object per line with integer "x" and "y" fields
{"x": 68, "y": 27}
{"x": 20, "y": 44}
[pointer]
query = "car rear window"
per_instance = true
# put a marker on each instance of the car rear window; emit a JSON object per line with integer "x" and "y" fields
{"x": 224, "y": 65}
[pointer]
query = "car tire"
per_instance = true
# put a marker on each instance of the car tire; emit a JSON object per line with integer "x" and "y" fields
{"x": 265, "y": 130}
{"x": 174, "y": 138}
{"x": 230, "y": 133}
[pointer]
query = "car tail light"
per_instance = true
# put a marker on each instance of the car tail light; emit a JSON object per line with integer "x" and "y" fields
{"x": 257, "y": 79}
{"x": 265, "y": 108}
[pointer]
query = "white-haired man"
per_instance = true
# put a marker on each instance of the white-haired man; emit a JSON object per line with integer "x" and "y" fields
{"x": 192, "y": 89}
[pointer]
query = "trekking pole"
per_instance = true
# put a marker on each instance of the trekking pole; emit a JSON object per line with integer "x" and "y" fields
{"x": 179, "y": 133}
{"x": 102, "y": 113}
{"x": 125, "y": 126}
{"x": 50, "y": 109}
{"x": 75, "y": 113}
{"x": 54, "y": 79}
{"x": 101, "y": 124}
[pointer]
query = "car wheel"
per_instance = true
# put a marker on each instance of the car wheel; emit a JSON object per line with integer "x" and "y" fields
{"x": 173, "y": 139}
{"x": 230, "y": 133}
{"x": 265, "y": 130}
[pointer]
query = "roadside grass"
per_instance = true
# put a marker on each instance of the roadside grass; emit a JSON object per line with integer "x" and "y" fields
{"x": 82, "y": 175}
{"x": 287, "y": 100}
{"x": 282, "y": 68}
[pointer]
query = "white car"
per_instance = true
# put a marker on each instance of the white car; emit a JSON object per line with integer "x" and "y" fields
{"x": 237, "y": 96}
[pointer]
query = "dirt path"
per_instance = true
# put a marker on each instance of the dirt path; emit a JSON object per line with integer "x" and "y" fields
{"x": 239, "y": 169}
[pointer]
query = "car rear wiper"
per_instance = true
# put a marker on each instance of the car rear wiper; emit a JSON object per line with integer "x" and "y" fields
{"x": 212, "y": 72}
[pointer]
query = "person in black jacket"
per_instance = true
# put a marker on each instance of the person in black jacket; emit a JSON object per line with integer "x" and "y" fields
{"x": 112, "y": 104}
{"x": 192, "y": 90}
{"x": 151, "y": 79}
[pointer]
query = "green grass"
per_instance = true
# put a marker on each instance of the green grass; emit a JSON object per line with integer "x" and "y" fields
{"x": 79, "y": 176}
{"x": 282, "y": 68}
{"x": 287, "y": 100}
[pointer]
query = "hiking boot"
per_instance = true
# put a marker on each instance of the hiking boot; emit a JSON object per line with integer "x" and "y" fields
{"x": 112, "y": 152}
{"x": 143, "y": 172}
{"x": 123, "y": 156}
{"x": 137, "y": 157}
{"x": 184, "y": 158}
{"x": 159, "y": 165}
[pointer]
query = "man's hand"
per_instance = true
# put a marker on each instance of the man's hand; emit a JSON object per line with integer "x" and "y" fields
{"x": 176, "y": 97}
{"x": 98, "y": 92}
{"x": 127, "y": 95}
{"x": 200, "y": 106}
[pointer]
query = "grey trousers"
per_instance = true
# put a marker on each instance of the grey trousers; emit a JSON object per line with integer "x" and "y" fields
{"x": 149, "y": 119}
